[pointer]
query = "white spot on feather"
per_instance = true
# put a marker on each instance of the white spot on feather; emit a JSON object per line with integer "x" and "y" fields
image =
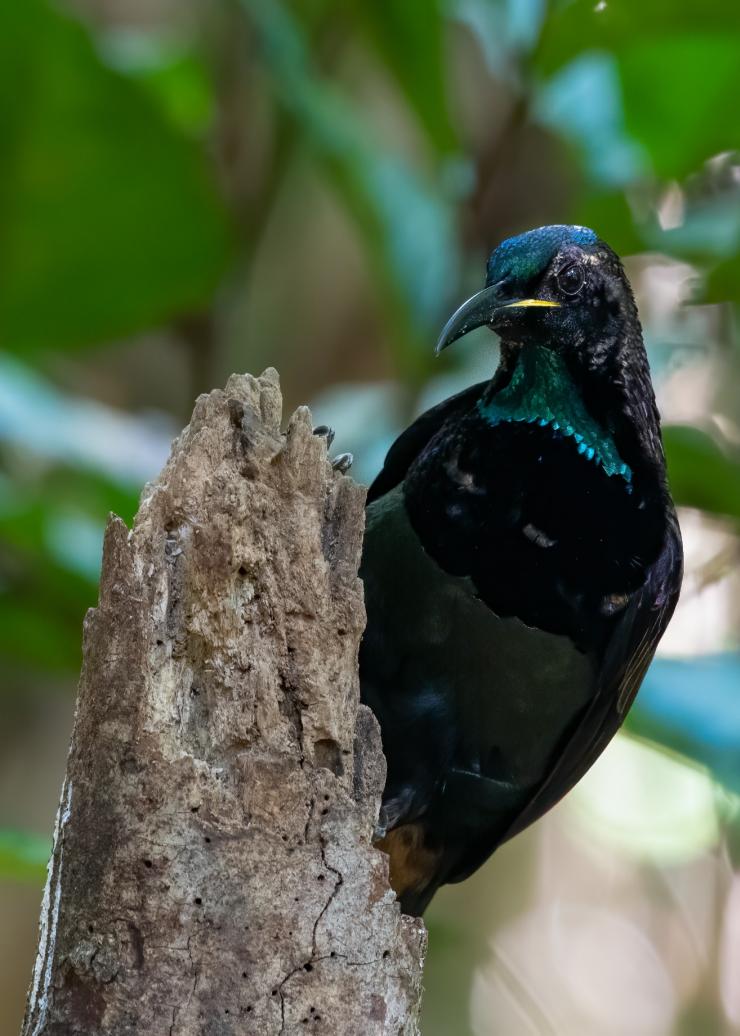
{"x": 537, "y": 536}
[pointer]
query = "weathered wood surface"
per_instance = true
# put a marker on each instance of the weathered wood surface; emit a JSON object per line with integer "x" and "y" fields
{"x": 212, "y": 870}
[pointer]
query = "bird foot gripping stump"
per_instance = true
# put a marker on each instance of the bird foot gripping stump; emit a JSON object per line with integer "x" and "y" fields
{"x": 212, "y": 870}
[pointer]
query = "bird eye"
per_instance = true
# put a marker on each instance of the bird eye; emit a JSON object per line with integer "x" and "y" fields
{"x": 571, "y": 279}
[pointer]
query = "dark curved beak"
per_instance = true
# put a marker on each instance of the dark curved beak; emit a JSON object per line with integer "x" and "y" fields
{"x": 480, "y": 310}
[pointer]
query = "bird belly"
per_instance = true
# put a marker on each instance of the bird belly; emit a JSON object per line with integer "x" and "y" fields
{"x": 473, "y": 707}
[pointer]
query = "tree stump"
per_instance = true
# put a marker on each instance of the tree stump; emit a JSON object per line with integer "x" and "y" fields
{"x": 213, "y": 871}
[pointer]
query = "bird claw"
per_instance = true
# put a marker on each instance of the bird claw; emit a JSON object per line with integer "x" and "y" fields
{"x": 326, "y": 431}
{"x": 342, "y": 463}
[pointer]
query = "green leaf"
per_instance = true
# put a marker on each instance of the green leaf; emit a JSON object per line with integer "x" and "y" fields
{"x": 177, "y": 79}
{"x": 610, "y": 216}
{"x": 701, "y": 474}
{"x": 109, "y": 220}
{"x": 680, "y": 98}
{"x": 36, "y": 636}
{"x": 723, "y": 282}
{"x": 23, "y": 856}
{"x": 574, "y": 26}
{"x": 409, "y": 36}
{"x": 677, "y": 66}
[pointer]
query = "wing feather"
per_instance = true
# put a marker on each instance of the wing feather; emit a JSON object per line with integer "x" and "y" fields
{"x": 410, "y": 443}
{"x": 628, "y": 656}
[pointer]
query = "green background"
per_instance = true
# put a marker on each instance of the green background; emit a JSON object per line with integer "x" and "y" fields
{"x": 188, "y": 189}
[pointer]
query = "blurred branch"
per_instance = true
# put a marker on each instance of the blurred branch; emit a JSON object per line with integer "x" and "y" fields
{"x": 406, "y": 220}
{"x": 197, "y": 334}
{"x": 212, "y": 854}
{"x": 718, "y": 567}
{"x": 494, "y": 160}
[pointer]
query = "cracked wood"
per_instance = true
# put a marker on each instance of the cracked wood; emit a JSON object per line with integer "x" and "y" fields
{"x": 213, "y": 871}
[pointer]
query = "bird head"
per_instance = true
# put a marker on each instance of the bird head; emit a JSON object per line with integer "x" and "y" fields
{"x": 557, "y": 286}
{"x": 564, "y": 289}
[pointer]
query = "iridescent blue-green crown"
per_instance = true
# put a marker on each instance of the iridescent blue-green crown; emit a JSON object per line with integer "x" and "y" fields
{"x": 524, "y": 256}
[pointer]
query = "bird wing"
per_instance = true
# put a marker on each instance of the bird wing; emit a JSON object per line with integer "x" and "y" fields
{"x": 410, "y": 443}
{"x": 626, "y": 661}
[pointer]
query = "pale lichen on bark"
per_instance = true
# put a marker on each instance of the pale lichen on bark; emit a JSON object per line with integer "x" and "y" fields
{"x": 213, "y": 871}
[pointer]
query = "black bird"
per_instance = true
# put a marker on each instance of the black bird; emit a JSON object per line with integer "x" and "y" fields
{"x": 522, "y": 559}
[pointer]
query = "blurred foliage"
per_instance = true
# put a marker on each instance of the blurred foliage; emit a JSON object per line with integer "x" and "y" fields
{"x": 703, "y": 474}
{"x": 89, "y": 159}
{"x": 406, "y": 223}
{"x": 23, "y": 856}
{"x": 185, "y": 188}
{"x": 410, "y": 39}
{"x": 693, "y": 708}
{"x": 144, "y": 167}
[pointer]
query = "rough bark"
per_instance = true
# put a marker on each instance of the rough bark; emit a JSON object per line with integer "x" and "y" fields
{"x": 212, "y": 870}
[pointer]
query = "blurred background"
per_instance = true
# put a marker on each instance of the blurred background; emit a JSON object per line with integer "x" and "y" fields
{"x": 189, "y": 188}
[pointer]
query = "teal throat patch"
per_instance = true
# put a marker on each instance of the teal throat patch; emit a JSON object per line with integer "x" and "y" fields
{"x": 542, "y": 391}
